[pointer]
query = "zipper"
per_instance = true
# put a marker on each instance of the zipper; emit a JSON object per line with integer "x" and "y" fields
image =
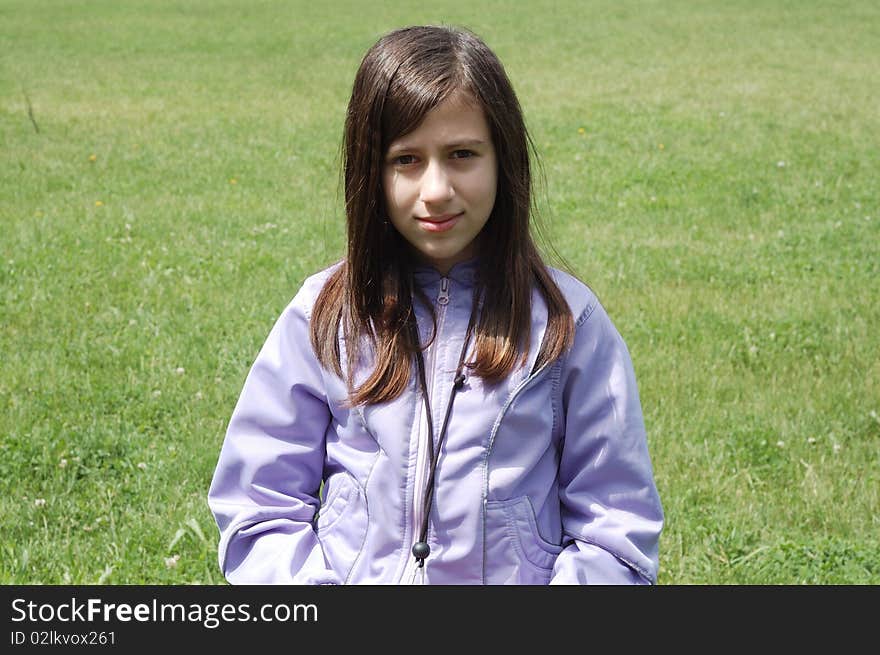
{"x": 412, "y": 573}
{"x": 443, "y": 298}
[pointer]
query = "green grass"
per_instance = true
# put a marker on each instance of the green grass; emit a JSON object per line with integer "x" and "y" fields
{"x": 721, "y": 198}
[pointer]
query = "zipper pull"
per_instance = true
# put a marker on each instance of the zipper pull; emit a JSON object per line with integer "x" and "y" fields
{"x": 443, "y": 298}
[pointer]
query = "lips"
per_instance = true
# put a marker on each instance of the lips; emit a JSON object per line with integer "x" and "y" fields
{"x": 439, "y": 223}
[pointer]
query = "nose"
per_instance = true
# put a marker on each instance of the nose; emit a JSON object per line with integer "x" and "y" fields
{"x": 436, "y": 184}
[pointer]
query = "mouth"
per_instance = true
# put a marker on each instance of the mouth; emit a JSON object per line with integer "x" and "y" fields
{"x": 439, "y": 223}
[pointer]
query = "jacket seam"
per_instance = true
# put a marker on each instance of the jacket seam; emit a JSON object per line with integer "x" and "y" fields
{"x": 556, "y": 391}
{"x": 556, "y": 404}
{"x": 588, "y": 311}
{"x": 367, "y": 528}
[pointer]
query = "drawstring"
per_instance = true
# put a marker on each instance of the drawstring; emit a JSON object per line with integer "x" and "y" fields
{"x": 420, "y": 549}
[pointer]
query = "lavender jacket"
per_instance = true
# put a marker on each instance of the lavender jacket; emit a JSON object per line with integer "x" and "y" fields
{"x": 542, "y": 478}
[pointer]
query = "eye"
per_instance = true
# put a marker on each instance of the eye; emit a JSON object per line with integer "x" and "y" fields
{"x": 463, "y": 154}
{"x": 403, "y": 160}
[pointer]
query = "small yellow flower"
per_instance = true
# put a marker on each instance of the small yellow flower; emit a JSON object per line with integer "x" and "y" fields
{"x": 233, "y": 181}
{"x": 661, "y": 146}
{"x": 93, "y": 157}
{"x": 98, "y": 203}
{"x": 581, "y": 130}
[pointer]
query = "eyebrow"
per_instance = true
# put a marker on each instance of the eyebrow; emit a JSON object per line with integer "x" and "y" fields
{"x": 459, "y": 143}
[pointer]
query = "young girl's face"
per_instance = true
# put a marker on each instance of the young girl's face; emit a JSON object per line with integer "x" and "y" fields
{"x": 440, "y": 180}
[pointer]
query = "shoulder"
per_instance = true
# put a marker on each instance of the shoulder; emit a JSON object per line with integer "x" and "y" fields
{"x": 598, "y": 345}
{"x": 304, "y": 300}
{"x": 581, "y": 299}
{"x": 594, "y": 329}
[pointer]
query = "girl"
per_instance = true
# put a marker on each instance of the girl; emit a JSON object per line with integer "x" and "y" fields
{"x": 472, "y": 413}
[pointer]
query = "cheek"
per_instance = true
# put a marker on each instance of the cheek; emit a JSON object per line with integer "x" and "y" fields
{"x": 394, "y": 188}
{"x": 483, "y": 187}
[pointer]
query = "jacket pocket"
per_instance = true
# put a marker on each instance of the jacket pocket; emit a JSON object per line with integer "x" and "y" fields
{"x": 515, "y": 551}
{"x": 341, "y": 525}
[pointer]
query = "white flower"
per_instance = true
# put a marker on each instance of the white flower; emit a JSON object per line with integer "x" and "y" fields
{"x": 180, "y": 370}
{"x": 39, "y": 502}
{"x": 781, "y": 444}
{"x": 171, "y": 562}
{"x": 142, "y": 466}
{"x": 62, "y": 463}
{"x": 780, "y": 164}
{"x": 811, "y": 440}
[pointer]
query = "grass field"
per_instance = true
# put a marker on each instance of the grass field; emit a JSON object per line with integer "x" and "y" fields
{"x": 170, "y": 176}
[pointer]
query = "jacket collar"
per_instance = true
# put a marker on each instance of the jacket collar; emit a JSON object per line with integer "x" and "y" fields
{"x": 464, "y": 273}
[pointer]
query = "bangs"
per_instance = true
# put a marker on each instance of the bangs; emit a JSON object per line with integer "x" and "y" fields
{"x": 420, "y": 83}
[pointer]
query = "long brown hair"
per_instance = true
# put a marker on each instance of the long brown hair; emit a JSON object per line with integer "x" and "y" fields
{"x": 402, "y": 77}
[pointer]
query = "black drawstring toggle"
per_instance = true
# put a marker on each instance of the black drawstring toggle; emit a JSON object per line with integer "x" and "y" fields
{"x": 421, "y": 550}
{"x": 459, "y": 381}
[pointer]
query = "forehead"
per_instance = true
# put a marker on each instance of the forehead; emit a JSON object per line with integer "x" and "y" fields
{"x": 457, "y": 119}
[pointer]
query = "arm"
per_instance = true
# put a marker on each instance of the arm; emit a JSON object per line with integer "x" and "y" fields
{"x": 265, "y": 488}
{"x": 611, "y": 513}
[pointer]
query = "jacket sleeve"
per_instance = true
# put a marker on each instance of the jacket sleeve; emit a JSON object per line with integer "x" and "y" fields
{"x": 611, "y": 512}
{"x": 264, "y": 493}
